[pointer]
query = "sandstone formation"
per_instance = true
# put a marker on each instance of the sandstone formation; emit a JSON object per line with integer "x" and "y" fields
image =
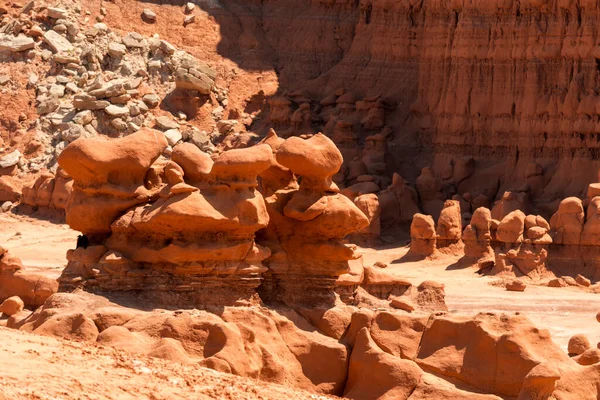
{"x": 12, "y": 306}
{"x": 578, "y": 344}
{"x": 472, "y": 121}
{"x": 523, "y": 243}
{"x": 308, "y": 221}
{"x": 567, "y": 223}
{"x": 175, "y": 226}
{"x": 449, "y": 224}
{"x": 443, "y": 356}
{"x": 477, "y": 236}
{"x": 32, "y": 289}
{"x": 49, "y": 191}
{"x": 423, "y": 236}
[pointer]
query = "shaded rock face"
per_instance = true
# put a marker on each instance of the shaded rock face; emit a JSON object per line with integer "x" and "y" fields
{"x": 414, "y": 56}
{"x": 181, "y": 227}
{"x": 478, "y": 235}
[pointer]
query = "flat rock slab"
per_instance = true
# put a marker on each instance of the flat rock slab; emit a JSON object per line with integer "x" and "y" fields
{"x": 15, "y": 44}
{"x": 57, "y": 42}
{"x": 11, "y": 159}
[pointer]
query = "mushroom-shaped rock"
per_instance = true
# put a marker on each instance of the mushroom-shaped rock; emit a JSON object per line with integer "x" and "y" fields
{"x": 316, "y": 160}
{"x": 369, "y": 205}
{"x": 423, "y": 235}
{"x": 449, "y": 226}
{"x": 195, "y": 163}
{"x": 422, "y": 227}
{"x": 477, "y": 235}
{"x": 536, "y": 230}
{"x": 122, "y": 162}
{"x": 481, "y": 219}
{"x": 510, "y": 229}
{"x": 108, "y": 177}
{"x": 567, "y": 223}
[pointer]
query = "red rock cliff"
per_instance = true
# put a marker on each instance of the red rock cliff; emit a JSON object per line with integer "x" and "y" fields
{"x": 507, "y": 82}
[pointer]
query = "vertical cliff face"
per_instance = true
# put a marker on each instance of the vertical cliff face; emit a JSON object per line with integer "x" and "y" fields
{"x": 513, "y": 84}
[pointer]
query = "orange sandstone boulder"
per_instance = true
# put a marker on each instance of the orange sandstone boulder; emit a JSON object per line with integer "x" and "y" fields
{"x": 463, "y": 347}
{"x": 567, "y": 223}
{"x": 578, "y": 344}
{"x": 510, "y": 229}
{"x": 449, "y": 226}
{"x": 108, "y": 177}
{"x": 376, "y": 374}
{"x": 12, "y": 306}
{"x": 477, "y": 236}
{"x": 423, "y": 235}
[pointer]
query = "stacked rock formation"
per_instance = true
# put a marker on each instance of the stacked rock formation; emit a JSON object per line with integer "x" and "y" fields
{"x": 576, "y": 236}
{"x": 175, "y": 225}
{"x": 308, "y": 219}
{"x": 522, "y": 245}
{"x": 49, "y": 191}
{"x": 518, "y": 244}
{"x": 171, "y": 228}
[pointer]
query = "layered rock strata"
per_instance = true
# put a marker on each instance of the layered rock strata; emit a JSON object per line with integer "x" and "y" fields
{"x": 179, "y": 229}
{"x": 308, "y": 220}
{"x": 180, "y": 226}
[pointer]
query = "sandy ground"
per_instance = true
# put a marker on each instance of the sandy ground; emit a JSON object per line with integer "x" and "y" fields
{"x": 44, "y": 368}
{"x": 42, "y": 245}
{"x": 563, "y": 311}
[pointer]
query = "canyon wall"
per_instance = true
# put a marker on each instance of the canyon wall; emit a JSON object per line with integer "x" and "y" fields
{"x": 513, "y": 84}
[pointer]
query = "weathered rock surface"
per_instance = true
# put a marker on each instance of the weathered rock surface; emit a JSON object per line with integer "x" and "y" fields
{"x": 375, "y": 354}
{"x": 308, "y": 220}
{"x": 12, "y": 306}
{"x": 423, "y": 235}
{"x": 32, "y": 289}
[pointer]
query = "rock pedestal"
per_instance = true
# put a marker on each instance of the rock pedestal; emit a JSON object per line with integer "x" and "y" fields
{"x": 449, "y": 226}
{"x": 422, "y": 236}
{"x": 522, "y": 245}
{"x": 179, "y": 231}
{"x": 307, "y": 225}
{"x": 477, "y": 236}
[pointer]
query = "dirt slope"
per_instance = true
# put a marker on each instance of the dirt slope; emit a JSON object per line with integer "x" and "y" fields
{"x": 37, "y": 367}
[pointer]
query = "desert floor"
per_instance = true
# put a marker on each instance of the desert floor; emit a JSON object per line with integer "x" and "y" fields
{"x": 42, "y": 246}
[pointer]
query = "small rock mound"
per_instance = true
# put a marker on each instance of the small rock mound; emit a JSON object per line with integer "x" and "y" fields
{"x": 578, "y": 344}
{"x": 516, "y": 286}
{"x": 12, "y": 306}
